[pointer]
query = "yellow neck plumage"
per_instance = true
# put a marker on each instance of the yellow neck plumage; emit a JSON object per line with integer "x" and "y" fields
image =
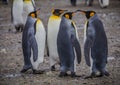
{"x": 27, "y": 1}
{"x": 54, "y": 17}
{"x": 37, "y": 22}
{"x": 85, "y": 26}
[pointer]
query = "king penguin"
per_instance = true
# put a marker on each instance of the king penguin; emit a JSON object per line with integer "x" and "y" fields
{"x": 52, "y": 32}
{"x": 95, "y": 44}
{"x": 104, "y": 3}
{"x": 73, "y": 2}
{"x": 33, "y": 42}
{"x": 28, "y": 6}
{"x": 68, "y": 46}
{"x": 16, "y": 15}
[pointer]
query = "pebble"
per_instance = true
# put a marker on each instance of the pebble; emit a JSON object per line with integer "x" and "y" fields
{"x": 3, "y": 51}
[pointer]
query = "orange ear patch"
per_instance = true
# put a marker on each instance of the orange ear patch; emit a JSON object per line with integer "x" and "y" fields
{"x": 67, "y": 16}
{"x": 92, "y": 14}
{"x": 32, "y": 15}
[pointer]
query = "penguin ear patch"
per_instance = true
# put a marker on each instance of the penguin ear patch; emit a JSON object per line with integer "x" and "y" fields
{"x": 92, "y": 14}
{"x": 32, "y": 15}
{"x": 67, "y": 16}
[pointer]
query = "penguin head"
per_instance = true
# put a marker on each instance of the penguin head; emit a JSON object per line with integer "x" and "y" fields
{"x": 88, "y": 14}
{"x": 58, "y": 12}
{"x": 68, "y": 15}
{"x": 35, "y": 13}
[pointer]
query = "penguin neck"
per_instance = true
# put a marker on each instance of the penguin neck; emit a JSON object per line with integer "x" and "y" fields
{"x": 55, "y": 17}
{"x": 68, "y": 19}
{"x": 93, "y": 18}
{"x": 31, "y": 19}
{"x": 17, "y": 0}
{"x": 27, "y": 1}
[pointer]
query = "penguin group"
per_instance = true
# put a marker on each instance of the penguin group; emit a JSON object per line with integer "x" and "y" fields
{"x": 19, "y": 12}
{"x": 62, "y": 40}
{"x": 103, "y": 3}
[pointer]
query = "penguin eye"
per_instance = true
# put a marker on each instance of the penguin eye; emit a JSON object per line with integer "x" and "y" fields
{"x": 92, "y": 14}
{"x": 67, "y": 16}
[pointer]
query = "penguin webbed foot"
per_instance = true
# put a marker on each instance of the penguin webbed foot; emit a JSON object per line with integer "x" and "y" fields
{"x": 73, "y": 75}
{"x": 93, "y": 75}
{"x": 106, "y": 74}
{"x": 38, "y": 71}
{"x": 53, "y": 68}
{"x": 24, "y": 70}
{"x": 63, "y": 74}
{"x": 103, "y": 73}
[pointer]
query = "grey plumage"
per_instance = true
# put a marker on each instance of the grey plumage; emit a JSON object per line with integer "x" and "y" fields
{"x": 67, "y": 42}
{"x": 96, "y": 45}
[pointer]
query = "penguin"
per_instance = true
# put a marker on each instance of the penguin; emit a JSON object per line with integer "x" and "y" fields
{"x": 33, "y": 43}
{"x": 28, "y": 6}
{"x": 5, "y": 2}
{"x": 68, "y": 46}
{"x": 16, "y": 15}
{"x": 73, "y": 2}
{"x": 95, "y": 44}
{"x": 104, "y": 3}
{"x": 52, "y": 32}
{"x": 89, "y": 2}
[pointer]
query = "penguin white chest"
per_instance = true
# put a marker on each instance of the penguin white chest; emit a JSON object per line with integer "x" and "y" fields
{"x": 27, "y": 8}
{"x": 53, "y": 28}
{"x": 40, "y": 37}
{"x": 17, "y": 12}
{"x": 85, "y": 29}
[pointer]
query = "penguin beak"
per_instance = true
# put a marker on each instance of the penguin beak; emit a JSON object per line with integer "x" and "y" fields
{"x": 81, "y": 11}
{"x": 38, "y": 11}
{"x": 62, "y": 11}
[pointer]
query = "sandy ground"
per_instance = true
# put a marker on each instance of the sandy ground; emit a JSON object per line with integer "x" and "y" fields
{"x": 11, "y": 57}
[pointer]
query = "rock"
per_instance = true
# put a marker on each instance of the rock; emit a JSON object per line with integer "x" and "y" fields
{"x": 3, "y": 51}
{"x": 110, "y": 58}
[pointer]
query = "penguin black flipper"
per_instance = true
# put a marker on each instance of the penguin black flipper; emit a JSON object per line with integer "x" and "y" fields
{"x": 34, "y": 47}
{"x": 11, "y": 12}
{"x": 87, "y": 51}
{"x": 88, "y": 44}
{"x": 76, "y": 44}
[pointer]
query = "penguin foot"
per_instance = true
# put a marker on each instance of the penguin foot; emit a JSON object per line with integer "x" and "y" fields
{"x": 63, "y": 74}
{"x": 53, "y": 68}
{"x": 90, "y": 76}
{"x": 73, "y": 75}
{"x": 106, "y": 74}
{"x": 24, "y": 70}
{"x": 38, "y": 71}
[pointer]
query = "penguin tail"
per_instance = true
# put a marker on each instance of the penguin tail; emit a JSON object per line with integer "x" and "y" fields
{"x": 87, "y": 47}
